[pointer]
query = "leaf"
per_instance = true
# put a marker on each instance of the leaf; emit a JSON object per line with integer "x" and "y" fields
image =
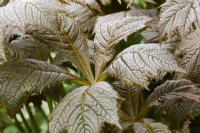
{"x": 138, "y": 64}
{"x": 150, "y": 126}
{"x": 29, "y": 29}
{"x": 21, "y": 46}
{"x": 110, "y": 33}
{"x": 62, "y": 54}
{"x": 2, "y": 47}
{"x": 130, "y": 105}
{"x": 151, "y": 34}
{"x": 20, "y": 79}
{"x": 90, "y": 3}
{"x": 151, "y": 1}
{"x": 77, "y": 47}
{"x": 3, "y": 3}
{"x": 83, "y": 14}
{"x": 178, "y": 16}
{"x": 135, "y": 12}
{"x": 23, "y": 13}
{"x": 55, "y": 31}
{"x": 189, "y": 53}
{"x": 85, "y": 109}
{"x": 180, "y": 98}
{"x": 91, "y": 50}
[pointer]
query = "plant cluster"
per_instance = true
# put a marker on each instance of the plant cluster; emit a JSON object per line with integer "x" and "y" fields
{"x": 134, "y": 69}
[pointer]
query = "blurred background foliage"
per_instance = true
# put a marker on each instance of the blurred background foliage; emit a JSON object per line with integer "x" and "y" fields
{"x": 34, "y": 115}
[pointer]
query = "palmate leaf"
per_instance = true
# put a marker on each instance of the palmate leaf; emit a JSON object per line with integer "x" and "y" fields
{"x": 20, "y": 79}
{"x": 83, "y": 14}
{"x": 85, "y": 109}
{"x": 189, "y": 53}
{"x": 150, "y": 126}
{"x": 110, "y": 33}
{"x": 19, "y": 18}
{"x": 180, "y": 98}
{"x": 178, "y": 16}
{"x": 138, "y": 64}
{"x": 44, "y": 23}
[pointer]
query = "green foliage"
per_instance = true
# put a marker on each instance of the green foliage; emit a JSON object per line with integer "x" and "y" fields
{"x": 99, "y": 66}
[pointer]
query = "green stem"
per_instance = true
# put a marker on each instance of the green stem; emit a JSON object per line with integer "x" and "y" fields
{"x": 18, "y": 125}
{"x": 43, "y": 113}
{"x": 32, "y": 119}
{"x": 25, "y": 122}
{"x": 50, "y": 104}
{"x": 80, "y": 82}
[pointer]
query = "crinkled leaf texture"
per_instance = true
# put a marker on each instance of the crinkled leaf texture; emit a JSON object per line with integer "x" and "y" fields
{"x": 150, "y": 126}
{"x": 189, "y": 53}
{"x": 179, "y": 15}
{"x": 42, "y": 25}
{"x": 181, "y": 99}
{"x": 77, "y": 48}
{"x": 20, "y": 79}
{"x": 138, "y": 64}
{"x": 130, "y": 106}
{"x": 83, "y": 14}
{"x": 90, "y": 3}
{"x": 109, "y": 33}
{"x": 85, "y": 109}
{"x": 21, "y": 18}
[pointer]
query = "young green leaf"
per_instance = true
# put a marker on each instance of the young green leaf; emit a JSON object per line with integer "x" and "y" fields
{"x": 20, "y": 79}
{"x": 150, "y": 126}
{"x": 180, "y": 98}
{"x": 85, "y": 109}
{"x": 188, "y": 52}
{"x": 138, "y": 64}
{"x": 179, "y": 16}
{"x": 110, "y": 33}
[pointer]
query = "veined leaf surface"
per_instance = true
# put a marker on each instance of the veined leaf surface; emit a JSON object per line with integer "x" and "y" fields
{"x": 83, "y": 14}
{"x": 179, "y": 15}
{"x": 180, "y": 98}
{"x": 189, "y": 53}
{"x": 150, "y": 126}
{"x": 138, "y": 64}
{"x": 85, "y": 109}
{"x": 77, "y": 48}
{"x": 22, "y": 78}
{"x": 110, "y": 33}
{"x": 43, "y": 25}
